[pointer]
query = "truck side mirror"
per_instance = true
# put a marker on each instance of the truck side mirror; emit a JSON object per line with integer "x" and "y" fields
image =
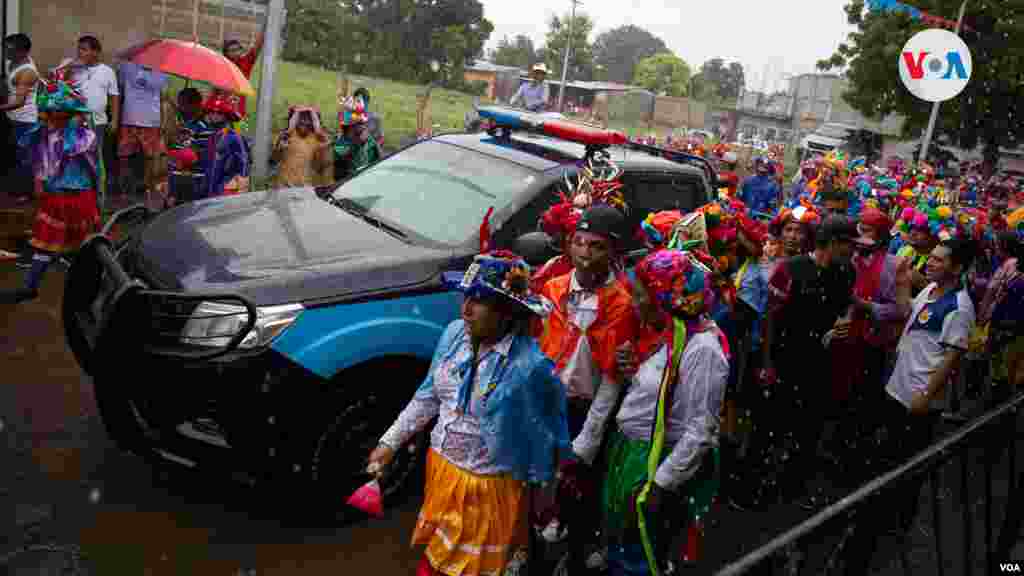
{"x": 535, "y": 247}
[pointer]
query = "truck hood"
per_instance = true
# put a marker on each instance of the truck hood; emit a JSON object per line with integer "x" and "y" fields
{"x": 278, "y": 247}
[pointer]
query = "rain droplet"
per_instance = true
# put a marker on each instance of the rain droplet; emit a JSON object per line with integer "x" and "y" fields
{"x": 94, "y": 495}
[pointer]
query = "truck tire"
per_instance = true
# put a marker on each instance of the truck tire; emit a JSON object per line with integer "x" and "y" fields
{"x": 351, "y": 432}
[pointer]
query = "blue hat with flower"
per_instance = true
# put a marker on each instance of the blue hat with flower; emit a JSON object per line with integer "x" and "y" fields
{"x": 499, "y": 273}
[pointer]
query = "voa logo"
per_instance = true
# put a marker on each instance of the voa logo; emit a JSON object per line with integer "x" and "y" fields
{"x": 935, "y": 65}
{"x": 1011, "y": 567}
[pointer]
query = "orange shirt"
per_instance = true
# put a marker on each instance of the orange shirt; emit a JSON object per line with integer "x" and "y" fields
{"x": 613, "y": 326}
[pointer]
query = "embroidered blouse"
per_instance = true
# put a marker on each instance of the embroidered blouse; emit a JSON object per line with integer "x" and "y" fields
{"x": 693, "y": 420}
{"x": 508, "y": 418}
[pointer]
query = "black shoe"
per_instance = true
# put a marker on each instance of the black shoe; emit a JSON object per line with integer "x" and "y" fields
{"x": 18, "y": 295}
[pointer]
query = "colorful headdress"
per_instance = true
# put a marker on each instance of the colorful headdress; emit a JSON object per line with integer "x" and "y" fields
{"x": 560, "y": 220}
{"x": 59, "y": 95}
{"x": 937, "y": 221}
{"x": 499, "y": 273}
{"x": 804, "y": 214}
{"x": 657, "y": 227}
{"x": 353, "y": 111}
{"x": 222, "y": 103}
{"x": 677, "y": 281}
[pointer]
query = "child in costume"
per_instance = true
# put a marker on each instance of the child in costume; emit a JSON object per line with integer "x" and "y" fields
{"x": 64, "y": 159}
{"x": 226, "y": 158}
{"x": 303, "y": 150}
{"x": 501, "y": 425}
{"x": 662, "y": 454}
{"x": 354, "y": 149}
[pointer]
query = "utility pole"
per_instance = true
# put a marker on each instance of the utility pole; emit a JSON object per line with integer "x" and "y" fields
{"x": 568, "y": 48}
{"x": 935, "y": 107}
{"x": 271, "y": 46}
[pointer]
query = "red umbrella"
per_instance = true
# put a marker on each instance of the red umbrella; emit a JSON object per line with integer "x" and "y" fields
{"x": 189, "y": 60}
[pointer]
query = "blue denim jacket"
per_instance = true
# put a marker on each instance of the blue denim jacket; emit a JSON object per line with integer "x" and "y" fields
{"x": 523, "y": 419}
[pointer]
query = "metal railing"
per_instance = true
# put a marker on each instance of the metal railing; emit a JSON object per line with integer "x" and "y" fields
{"x": 821, "y": 544}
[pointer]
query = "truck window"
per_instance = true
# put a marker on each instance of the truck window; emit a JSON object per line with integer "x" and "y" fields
{"x": 654, "y": 193}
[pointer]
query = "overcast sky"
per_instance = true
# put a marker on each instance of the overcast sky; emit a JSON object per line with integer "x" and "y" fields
{"x": 759, "y": 34}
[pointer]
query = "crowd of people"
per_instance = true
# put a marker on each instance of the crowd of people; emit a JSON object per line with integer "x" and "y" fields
{"x": 773, "y": 346}
{"x": 190, "y": 145}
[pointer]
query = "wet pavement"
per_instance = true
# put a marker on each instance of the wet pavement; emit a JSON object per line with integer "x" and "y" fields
{"x": 65, "y": 485}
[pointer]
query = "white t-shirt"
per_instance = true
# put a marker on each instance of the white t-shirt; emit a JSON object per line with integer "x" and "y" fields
{"x": 140, "y": 104}
{"x": 933, "y": 326}
{"x": 97, "y": 83}
{"x": 27, "y": 113}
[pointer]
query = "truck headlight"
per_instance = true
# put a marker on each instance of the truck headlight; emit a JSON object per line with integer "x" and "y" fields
{"x": 214, "y": 324}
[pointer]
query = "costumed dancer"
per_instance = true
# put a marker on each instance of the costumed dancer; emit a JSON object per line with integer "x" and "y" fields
{"x": 226, "y": 158}
{"x": 662, "y": 456}
{"x": 354, "y": 149}
{"x": 590, "y": 316}
{"x": 65, "y": 161}
{"x": 760, "y": 192}
{"x": 881, "y": 304}
{"x": 558, "y": 222}
{"x": 750, "y": 282}
{"x": 501, "y": 425}
{"x": 728, "y": 173}
{"x": 303, "y": 149}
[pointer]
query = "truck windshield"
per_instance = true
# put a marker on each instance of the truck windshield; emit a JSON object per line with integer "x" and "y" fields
{"x": 438, "y": 191}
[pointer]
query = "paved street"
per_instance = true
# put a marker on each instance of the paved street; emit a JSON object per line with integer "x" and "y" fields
{"x": 65, "y": 483}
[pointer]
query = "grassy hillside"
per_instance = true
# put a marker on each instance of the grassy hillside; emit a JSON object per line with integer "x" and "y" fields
{"x": 395, "y": 102}
{"x": 299, "y": 84}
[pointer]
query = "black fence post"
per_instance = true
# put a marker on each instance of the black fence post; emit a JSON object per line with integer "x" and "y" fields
{"x": 936, "y": 520}
{"x": 965, "y": 503}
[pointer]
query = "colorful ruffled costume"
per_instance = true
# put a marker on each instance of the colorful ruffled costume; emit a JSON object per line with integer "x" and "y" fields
{"x": 64, "y": 159}
{"x": 226, "y": 162}
{"x": 350, "y": 156}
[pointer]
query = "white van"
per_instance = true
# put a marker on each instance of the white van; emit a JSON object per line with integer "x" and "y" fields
{"x": 825, "y": 139}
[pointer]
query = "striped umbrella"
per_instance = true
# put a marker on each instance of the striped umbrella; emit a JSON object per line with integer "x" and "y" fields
{"x": 189, "y": 60}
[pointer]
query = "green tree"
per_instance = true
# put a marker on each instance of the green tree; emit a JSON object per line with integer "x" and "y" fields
{"x": 987, "y": 112}
{"x": 518, "y": 52}
{"x": 581, "y": 58}
{"x": 663, "y": 73}
{"x": 618, "y": 50}
{"x": 717, "y": 82}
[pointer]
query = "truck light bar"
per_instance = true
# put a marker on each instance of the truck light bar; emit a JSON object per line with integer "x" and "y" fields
{"x": 513, "y": 119}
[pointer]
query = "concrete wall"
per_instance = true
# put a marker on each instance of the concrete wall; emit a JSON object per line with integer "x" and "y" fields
{"x": 55, "y": 25}
{"x": 679, "y": 112}
{"x": 478, "y": 75}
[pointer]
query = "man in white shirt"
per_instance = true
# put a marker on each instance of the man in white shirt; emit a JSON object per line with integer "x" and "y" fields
{"x": 22, "y": 79}
{"x": 98, "y": 83}
{"x": 533, "y": 95}
{"x": 931, "y": 349}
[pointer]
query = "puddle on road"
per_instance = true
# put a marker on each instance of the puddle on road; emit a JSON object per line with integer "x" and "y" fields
{"x": 155, "y": 543}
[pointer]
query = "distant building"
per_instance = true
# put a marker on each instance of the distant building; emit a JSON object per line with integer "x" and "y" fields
{"x": 502, "y": 81}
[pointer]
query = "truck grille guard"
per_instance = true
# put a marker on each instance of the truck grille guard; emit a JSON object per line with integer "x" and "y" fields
{"x": 109, "y": 315}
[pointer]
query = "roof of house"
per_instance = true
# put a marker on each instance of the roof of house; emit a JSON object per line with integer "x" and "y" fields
{"x": 485, "y": 66}
{"x": 596, "y": 86}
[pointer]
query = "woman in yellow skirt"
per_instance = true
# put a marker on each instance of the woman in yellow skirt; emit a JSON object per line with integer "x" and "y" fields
{"x": 501, "y": 425}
